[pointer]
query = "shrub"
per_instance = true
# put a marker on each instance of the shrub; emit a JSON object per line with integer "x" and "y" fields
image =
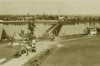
{"x": 4, "y": 35}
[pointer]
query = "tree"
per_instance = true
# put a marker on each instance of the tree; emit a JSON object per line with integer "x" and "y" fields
{"x": 3, "y": 35}
{"x": 31, "y": 28}
{"x": 12, "y": 39}
{"x": 22, "y": 34}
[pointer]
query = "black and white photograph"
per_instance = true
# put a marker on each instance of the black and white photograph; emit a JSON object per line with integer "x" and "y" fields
{"x": 49, "y": 32}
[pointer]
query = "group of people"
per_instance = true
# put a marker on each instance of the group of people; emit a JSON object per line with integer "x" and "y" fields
{"x": 29, "y": 47}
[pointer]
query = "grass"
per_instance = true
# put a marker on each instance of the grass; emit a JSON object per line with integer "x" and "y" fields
{"x": 82, "y": 52}
{"x": 8, "y": 52}
{"x": 72, "y": 36}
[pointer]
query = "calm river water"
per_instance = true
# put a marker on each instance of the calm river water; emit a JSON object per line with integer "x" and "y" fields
{"x": 41, "y": 29}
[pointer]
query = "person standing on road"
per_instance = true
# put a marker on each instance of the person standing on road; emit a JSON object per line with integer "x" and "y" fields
{"x": 34, "y": 45}
{"x": 26, "y": 48}
{"x": 52, "y": 37}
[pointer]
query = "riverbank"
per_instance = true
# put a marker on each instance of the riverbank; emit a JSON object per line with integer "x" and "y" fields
{"x": 25, "y": 22}
{"x": 66, "y": 37}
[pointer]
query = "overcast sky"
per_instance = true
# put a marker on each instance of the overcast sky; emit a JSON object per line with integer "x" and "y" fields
{"x": 68, "y": 7}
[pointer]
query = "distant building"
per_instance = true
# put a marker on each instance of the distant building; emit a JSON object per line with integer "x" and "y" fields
{"x": 62, "y": 18}
{"x": 90, "y": 31}
{"x": 93, "y": 31}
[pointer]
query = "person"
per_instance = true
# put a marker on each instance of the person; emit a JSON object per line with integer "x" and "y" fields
{"x": 52, "y": 37}
{"x": 34, "y": 42}
{"x": 33, "y": 45}
{"x": 26, "y": 48}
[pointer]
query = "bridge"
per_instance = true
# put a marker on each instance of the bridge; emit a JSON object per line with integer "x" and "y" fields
{"x": 55, "y": 29}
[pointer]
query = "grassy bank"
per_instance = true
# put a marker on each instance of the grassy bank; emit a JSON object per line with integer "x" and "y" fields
{"x": 73, "y": 36}
{"x": 8, "y": 52}
{"x": 25, "y": 22}
{"x": 82, "y": 52}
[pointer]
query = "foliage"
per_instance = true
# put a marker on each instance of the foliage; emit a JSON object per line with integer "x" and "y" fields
{"x": 12, "y": 39}
{"x": 22, "y": 34}
{"x": 74, "y": 18}
{"x": 31, "y": 28}
{"x": 4, "y": 35}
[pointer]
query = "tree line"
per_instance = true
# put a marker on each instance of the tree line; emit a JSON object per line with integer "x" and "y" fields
{"x": 67, "y": 18}
{"x": 28, "y": 17}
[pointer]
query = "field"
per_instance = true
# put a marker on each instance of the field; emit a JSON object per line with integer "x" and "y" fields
{"x": 8, "y": 52}
{"x": 81, "y": 52}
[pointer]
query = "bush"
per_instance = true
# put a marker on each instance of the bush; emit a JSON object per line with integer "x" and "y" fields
{"x": 17, "y": 54}
{"x": 4, "y": 35}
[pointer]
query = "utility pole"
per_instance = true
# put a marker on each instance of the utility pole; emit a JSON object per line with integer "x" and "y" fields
{"x": 59, "y": 12}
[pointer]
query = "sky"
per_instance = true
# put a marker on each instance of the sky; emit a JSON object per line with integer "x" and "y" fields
{"x": 66, "y": 7}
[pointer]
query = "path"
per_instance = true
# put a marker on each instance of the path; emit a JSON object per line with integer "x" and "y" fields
{"x": 23, "y": 59}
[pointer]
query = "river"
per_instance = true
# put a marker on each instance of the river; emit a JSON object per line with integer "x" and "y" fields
{"x": 41, "y": 29}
